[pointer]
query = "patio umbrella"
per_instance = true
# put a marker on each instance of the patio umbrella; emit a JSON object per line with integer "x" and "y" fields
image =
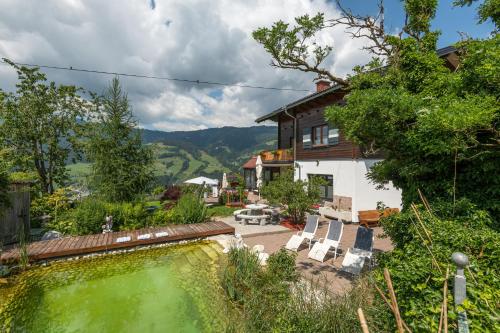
{"x": 258, "y": 172}
{"x": 224, "y": 181}
{"x": 203, "y": 180}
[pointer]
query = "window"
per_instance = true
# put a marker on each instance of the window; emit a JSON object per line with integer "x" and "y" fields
{"x": 320, "y": 135}
{"x": 325, "y": 190}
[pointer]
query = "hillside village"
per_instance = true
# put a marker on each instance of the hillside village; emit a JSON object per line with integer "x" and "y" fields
{"x": 299, "y": 196}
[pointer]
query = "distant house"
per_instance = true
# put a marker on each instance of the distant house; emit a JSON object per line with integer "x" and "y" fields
{"x": 314, "y": 148}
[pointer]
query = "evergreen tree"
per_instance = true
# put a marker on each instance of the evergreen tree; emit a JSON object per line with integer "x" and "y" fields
{"x": 122, "y": 166}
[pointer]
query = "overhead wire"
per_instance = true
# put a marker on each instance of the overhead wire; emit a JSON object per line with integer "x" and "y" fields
{"x": 142, "y": 76}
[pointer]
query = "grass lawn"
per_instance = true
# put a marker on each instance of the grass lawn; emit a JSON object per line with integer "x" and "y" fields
{"x": 221, "y": 211}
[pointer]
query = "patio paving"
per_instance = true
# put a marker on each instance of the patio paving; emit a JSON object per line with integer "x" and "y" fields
{"x": 327, "y": 272}
{"x": 253, "y": 229}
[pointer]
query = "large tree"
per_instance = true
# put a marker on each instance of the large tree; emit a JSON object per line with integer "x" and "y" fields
{"x": 122, "y": 166}
{"x": 40, "y": 125}
{"x": 437, "y": 128}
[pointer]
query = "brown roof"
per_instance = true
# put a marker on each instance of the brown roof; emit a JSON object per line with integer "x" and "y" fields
{"x": 250, "y": 164}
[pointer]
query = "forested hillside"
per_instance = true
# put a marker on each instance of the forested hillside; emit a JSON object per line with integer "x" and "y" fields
{"x": 210, "y": 152}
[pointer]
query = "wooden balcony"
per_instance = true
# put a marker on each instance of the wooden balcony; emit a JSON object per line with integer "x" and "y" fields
{"x": 279, "y": 156}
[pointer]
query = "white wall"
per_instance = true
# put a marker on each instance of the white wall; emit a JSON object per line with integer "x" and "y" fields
{"x": 349, "y": 179}
{"x": 367, "y": 195}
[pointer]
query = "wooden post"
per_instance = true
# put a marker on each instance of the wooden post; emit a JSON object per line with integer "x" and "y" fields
{"x": 362, "y": 321}
{"x": 394, "y": 301}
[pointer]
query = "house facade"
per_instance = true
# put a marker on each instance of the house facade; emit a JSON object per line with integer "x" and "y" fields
{"x": 313, "y": 147}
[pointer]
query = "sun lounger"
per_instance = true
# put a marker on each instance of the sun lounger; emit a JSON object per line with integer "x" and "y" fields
{"x": 355, "y": 257}
{"x": 332, "y": 239}
{"x": 306, "y": 234}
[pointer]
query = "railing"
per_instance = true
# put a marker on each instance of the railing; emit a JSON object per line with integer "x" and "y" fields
{"x": 279, "y": 155}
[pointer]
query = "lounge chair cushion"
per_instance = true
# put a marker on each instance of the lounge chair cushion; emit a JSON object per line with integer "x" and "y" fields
{"x": 319, "y": 251}
{"x": 353, "y": 263}
{"x": 294, "y": 243}
{"x": 311, "y": 224}
{"x": 334, "y": 230}
{"x": 364, "y": 239}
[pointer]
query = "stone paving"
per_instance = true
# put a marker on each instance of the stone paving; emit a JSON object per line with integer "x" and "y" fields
{"x": 327, "y": 272}
{"x": 252, "y": 228}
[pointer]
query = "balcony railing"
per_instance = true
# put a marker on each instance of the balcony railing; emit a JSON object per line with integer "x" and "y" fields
{"x": 275, "y": 156}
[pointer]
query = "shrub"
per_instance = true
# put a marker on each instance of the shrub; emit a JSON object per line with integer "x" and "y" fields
{"x": 172, "y": 192}
{"x": 191, "y": 209}
{"x": 281, "y": 265}
{"x": 89, "y": 216}
{"x": 51, "y": 204}
{"x": 418, "y": 278}
{"x": 298, "y": 196}
{"x": 162, "y": 217}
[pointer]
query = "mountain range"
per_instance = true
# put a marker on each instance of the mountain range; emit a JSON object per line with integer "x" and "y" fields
{"x": 182, "y": 155}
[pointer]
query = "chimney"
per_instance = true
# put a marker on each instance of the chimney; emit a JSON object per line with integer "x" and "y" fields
{"x": 322, "y": 85}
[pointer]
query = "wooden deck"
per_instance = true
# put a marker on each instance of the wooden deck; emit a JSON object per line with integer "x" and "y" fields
{"x": 69, "y": 246}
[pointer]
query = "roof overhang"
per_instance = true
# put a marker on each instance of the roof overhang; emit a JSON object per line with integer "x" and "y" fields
{"x": 301, "y": 101}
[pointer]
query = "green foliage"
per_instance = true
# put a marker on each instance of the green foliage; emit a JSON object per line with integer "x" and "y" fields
{"x": 191, "y": 209}
{"x": 298, "y": 196}
{"x": 488, "y": 9}
{"x": 418, "y": 279}
{"x": 274, "y": 300}
{"x": 240, "y": 274}
{"x": 89, "y": 215}
{"x": 122, "y": 166}
{"x": 221, "y": 211}
{"x": 162, "y": 217}
{"x": 281, "y": 265}
{"x": 437, "y": 128}
{"x": 294, "y": 47}
{"x": 41, "y": 125}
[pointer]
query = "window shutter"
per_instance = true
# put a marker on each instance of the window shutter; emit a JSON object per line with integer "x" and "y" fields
{"x": 306, "y": 138}
{"x": 333, "y": 136}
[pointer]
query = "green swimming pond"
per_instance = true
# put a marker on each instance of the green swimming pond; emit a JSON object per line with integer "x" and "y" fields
{"x": 168, "y": 289}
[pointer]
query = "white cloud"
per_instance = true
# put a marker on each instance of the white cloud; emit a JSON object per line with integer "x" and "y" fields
{"x": 192, "y": 39}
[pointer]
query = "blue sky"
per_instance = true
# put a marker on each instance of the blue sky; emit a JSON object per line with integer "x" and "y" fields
{"x": 449, "y": 19}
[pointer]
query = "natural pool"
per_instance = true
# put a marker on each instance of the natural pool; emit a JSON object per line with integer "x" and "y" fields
{"x": 167, "y": 289}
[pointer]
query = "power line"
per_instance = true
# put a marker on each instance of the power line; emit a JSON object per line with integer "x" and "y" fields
{"x": 140, "y": 76}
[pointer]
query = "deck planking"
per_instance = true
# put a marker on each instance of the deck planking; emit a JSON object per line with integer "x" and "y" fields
{"x": 78, "y": 245}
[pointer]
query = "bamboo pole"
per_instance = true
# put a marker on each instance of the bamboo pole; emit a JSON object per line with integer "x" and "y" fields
{"x": 390, "y": 306}
{"x": 421, "y": 223}
{"x": 443, "y": 320}
{"x": 362, "y": 321}
{"x": 424, "y": 201}
{"x": 392, "y": 294}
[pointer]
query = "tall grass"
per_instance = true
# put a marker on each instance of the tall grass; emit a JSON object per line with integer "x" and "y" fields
{"x": 23, "y": 248}
{"x": 191, "y": 209}
{"x": 274, "y": 299}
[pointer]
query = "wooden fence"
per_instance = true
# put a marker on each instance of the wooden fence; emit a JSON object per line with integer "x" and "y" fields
{"x": 16, "y": 217}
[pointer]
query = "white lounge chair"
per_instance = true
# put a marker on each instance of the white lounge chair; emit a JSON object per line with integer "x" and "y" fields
{"x": 355, "y": 257}
{"x": 307, "y": 234}
{"x": 332, "y": 239}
